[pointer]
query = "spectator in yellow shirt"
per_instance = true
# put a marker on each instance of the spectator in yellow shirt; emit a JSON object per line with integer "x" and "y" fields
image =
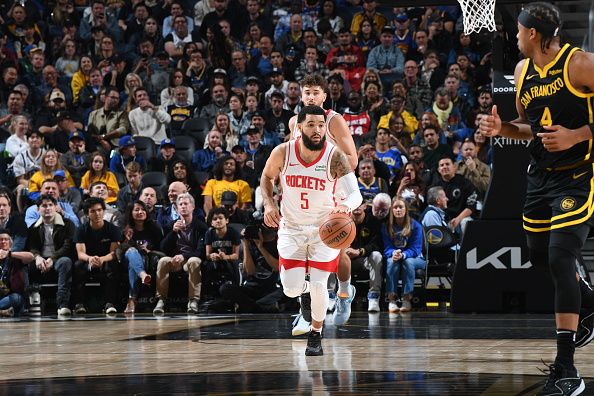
{"x": 99, "y": 172}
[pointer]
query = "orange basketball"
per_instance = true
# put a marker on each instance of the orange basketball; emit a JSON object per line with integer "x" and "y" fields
{"x": 338, "y": 230}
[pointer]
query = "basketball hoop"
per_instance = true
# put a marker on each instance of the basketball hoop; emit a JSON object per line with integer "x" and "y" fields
{"x": 478, "y": 14}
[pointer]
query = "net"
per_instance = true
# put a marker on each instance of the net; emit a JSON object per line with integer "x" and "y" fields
{"x": 478, "y": 14}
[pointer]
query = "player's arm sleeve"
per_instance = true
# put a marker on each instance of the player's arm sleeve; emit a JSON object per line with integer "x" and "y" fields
{"x": 348, "y": 184}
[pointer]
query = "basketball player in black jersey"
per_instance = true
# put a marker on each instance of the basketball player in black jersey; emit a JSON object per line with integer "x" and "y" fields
{"x": 554, "y": 101}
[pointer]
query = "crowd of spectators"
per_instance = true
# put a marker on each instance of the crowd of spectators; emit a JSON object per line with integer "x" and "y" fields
{"x": 87, "y": 85}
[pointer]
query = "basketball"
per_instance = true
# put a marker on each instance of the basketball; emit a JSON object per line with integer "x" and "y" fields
{"x": 338, "y": 230}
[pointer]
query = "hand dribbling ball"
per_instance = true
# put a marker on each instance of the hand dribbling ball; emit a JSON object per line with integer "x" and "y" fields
{"x": 338, "y": 230}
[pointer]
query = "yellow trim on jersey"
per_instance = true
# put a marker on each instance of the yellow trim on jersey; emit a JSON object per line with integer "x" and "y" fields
{"x": 543, "y": 72}
{"x": 567, "y": 81}
{"x": 521, "y": 79}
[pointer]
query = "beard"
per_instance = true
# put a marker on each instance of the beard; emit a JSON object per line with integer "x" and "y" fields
{"x": 310, "y": 145}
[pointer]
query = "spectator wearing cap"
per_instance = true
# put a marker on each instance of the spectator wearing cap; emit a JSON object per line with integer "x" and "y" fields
{"x": 269, "y": 138}
{"x": 66, "y": 124}
{"x": 387, "y": 58}
{"x": 369, "y": 13}
{"x": 66, "y": 193}
{"x": 248, "y": 174}
{"x": 311, "y": 65}
{"x": 49, "y": 165}
{"x": 147, "y": 119}
{"x": 98, "y": 18}
{"x": 175, "y": 41}
{"x": 108, "y": 123}
{"x": 99, "y": 172}
{"x": 277, "y": 83}
{"x": 227, "y": 177}
{"x": 204, "y": 159}
{"x": 218, "y": 104}
{"x": 336, "y": 99}
{"x": 77, "y": 159}
{"x": 48, "y": 109}
{"x": 277, "y": 118}
{"x": 257, "y": 151}
{"x": 235, "y": 214}
{"x": 125, "y": 154}
{"x": 165, "y": 158}
{"x": 403, "y": 35}
{"x": 347, "y": 59}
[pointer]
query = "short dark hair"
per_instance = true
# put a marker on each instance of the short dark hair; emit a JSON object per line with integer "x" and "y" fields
{"x": 90, "y": 202}
{"x": 314, "y": 110}
{"x": 46, "y": 197}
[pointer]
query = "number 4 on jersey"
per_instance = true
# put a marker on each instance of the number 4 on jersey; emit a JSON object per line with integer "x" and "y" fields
{"x": 546, "y": 119}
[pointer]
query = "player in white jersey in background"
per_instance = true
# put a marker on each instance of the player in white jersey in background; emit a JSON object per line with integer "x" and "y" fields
{"x": 310, "y": 169}
{"x": 313, "y": 93}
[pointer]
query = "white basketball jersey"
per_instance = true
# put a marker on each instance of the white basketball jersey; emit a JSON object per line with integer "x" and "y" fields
{"x": 329, "y": 115}
{"x": 308, "y": 188}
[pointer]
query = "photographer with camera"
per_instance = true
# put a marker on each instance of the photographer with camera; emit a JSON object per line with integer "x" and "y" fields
{"x": 261, "y": 290}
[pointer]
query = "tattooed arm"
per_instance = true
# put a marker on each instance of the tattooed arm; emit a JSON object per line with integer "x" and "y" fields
{"x": 340, "y": 169}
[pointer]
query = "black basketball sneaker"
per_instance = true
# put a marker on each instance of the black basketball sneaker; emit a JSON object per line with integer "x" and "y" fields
{"x": 562, "y": 382}
{"x": 314, "y": 344}
{"x": 585, "y": 330}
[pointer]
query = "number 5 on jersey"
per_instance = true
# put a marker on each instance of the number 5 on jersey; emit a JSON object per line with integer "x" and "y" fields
{"x": 304, "y": 201}
{"x": 546, "y": 119}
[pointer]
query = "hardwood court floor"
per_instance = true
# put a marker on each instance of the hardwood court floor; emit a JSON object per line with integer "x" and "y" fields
{"x": 414, "y": 354}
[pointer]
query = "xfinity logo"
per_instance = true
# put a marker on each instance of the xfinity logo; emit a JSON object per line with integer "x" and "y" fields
{"x": 504, "y": 258}
{"x": 509, "y": 87}
{"x": 500, "y": 141}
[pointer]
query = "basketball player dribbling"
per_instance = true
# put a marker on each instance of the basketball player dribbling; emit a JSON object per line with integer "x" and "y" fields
{"x": 313, "y": 93}
{"x": 310, "y": 169}
{"x": 554, "y": 102}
